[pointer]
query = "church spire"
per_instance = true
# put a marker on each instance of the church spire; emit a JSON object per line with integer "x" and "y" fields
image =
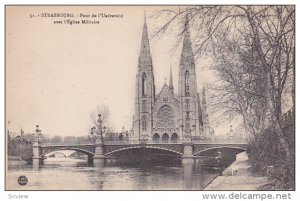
{"x": 207, "y": 130}
{"x": 145, "y": 55}
{"x": 145, "y": 89}
{"x": 187, "y": 58}
{"x": 171, "y": 80}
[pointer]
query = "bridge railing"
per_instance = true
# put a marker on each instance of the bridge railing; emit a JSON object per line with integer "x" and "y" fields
{"x": 220, "y": 141}
{"x": 128, "y": 142}
{"x": 68, "y": 143}
{"x": 118, "y": 142}
{"x": 197, "y": 141}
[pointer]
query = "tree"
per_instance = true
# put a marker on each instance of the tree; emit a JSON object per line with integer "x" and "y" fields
{"x": 69, "y": 139}
{"x": 254, "y": 51}
{"x": 241, "y": 87}
{"x": 82, "y": 139}
{"x": 56, "y": 139}
{"x": 271, "y": 33}
{"x": 105, "y": 116}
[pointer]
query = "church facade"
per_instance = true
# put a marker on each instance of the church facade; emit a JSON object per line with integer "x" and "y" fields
{"x": 168, "y": 116}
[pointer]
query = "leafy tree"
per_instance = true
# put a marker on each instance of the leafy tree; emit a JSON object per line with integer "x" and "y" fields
{"x": 254, "y": 56}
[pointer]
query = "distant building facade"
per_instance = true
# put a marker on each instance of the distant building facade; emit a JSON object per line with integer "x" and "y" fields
{"x": 163, "y": 116}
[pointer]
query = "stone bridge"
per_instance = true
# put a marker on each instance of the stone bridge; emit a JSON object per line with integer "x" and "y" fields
{"x": 109, "y": 149}
{"x": 188, "y": 150}
{"x": 177, "y": 148}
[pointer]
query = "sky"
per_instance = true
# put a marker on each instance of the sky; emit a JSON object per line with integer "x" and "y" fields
{"x": 57, "y": 74}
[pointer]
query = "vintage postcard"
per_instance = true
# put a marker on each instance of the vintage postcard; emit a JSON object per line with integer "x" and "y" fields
{"x": 198, "y": 97}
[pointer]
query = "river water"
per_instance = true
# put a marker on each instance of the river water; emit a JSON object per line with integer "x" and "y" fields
{"x": 77, "y": 174}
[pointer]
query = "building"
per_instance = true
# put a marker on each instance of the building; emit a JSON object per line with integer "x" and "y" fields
{"x": 168, "y": 116}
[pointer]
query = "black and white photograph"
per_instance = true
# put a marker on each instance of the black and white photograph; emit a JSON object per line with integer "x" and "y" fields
{"x": 150, "y": 97}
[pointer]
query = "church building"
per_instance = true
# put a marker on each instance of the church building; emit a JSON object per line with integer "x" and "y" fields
{"x": 166, "y": 116}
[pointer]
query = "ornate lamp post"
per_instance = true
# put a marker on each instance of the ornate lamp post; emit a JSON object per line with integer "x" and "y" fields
{"x": 37, "y": 136}
{"x": 98, "y": 135}
{"x": 187, "y": 142}
{"x": 37, "y": 159}
{"x": 188, "y": 131}
{"x": 100, "y": 130}
{"x": 38, "y": 132}
{"x": 182, "y": 126}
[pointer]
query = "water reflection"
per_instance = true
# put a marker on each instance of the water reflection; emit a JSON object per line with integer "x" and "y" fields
{"x": 74, "y": 174}
{"x": 187, "y": 175}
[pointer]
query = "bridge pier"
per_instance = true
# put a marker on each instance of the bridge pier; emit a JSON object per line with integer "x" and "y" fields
{"x": 188, "y": 153}
{"x": 99, "y": 157}
{"x": 36, "y": 162}
{"x": 37, "y": 158}
{"x": 187, "y": 144}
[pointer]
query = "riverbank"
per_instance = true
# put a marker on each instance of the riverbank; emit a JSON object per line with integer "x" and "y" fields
{"x": 13, "y": 158}
{"x": 237, "y": 176}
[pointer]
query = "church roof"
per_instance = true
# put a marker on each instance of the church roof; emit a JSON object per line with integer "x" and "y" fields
{"x": 166, "y": 94}
{"x": 165, "y": 89}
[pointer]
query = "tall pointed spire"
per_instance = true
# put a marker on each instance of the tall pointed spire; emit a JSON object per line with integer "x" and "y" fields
{"x": 145, "y": 89}
{"x": 171, "y": 80}
{"x": 187, "y": 58}
{"x": 145, "y": 55}
{"x": 206, "y": 125}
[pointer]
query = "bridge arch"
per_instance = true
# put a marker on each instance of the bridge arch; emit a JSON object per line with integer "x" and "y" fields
{"x": 54, "y": 152}
{"x": 57, "y": 149}
{"x": 220, "y": 147}
{"x": 145, "y": 147}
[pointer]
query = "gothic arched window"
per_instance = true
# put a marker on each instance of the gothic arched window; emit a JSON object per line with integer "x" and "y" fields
{"x": 144, "y": 123}
{"x": 144, "y": 76}
{"x": 186, "y": 82}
